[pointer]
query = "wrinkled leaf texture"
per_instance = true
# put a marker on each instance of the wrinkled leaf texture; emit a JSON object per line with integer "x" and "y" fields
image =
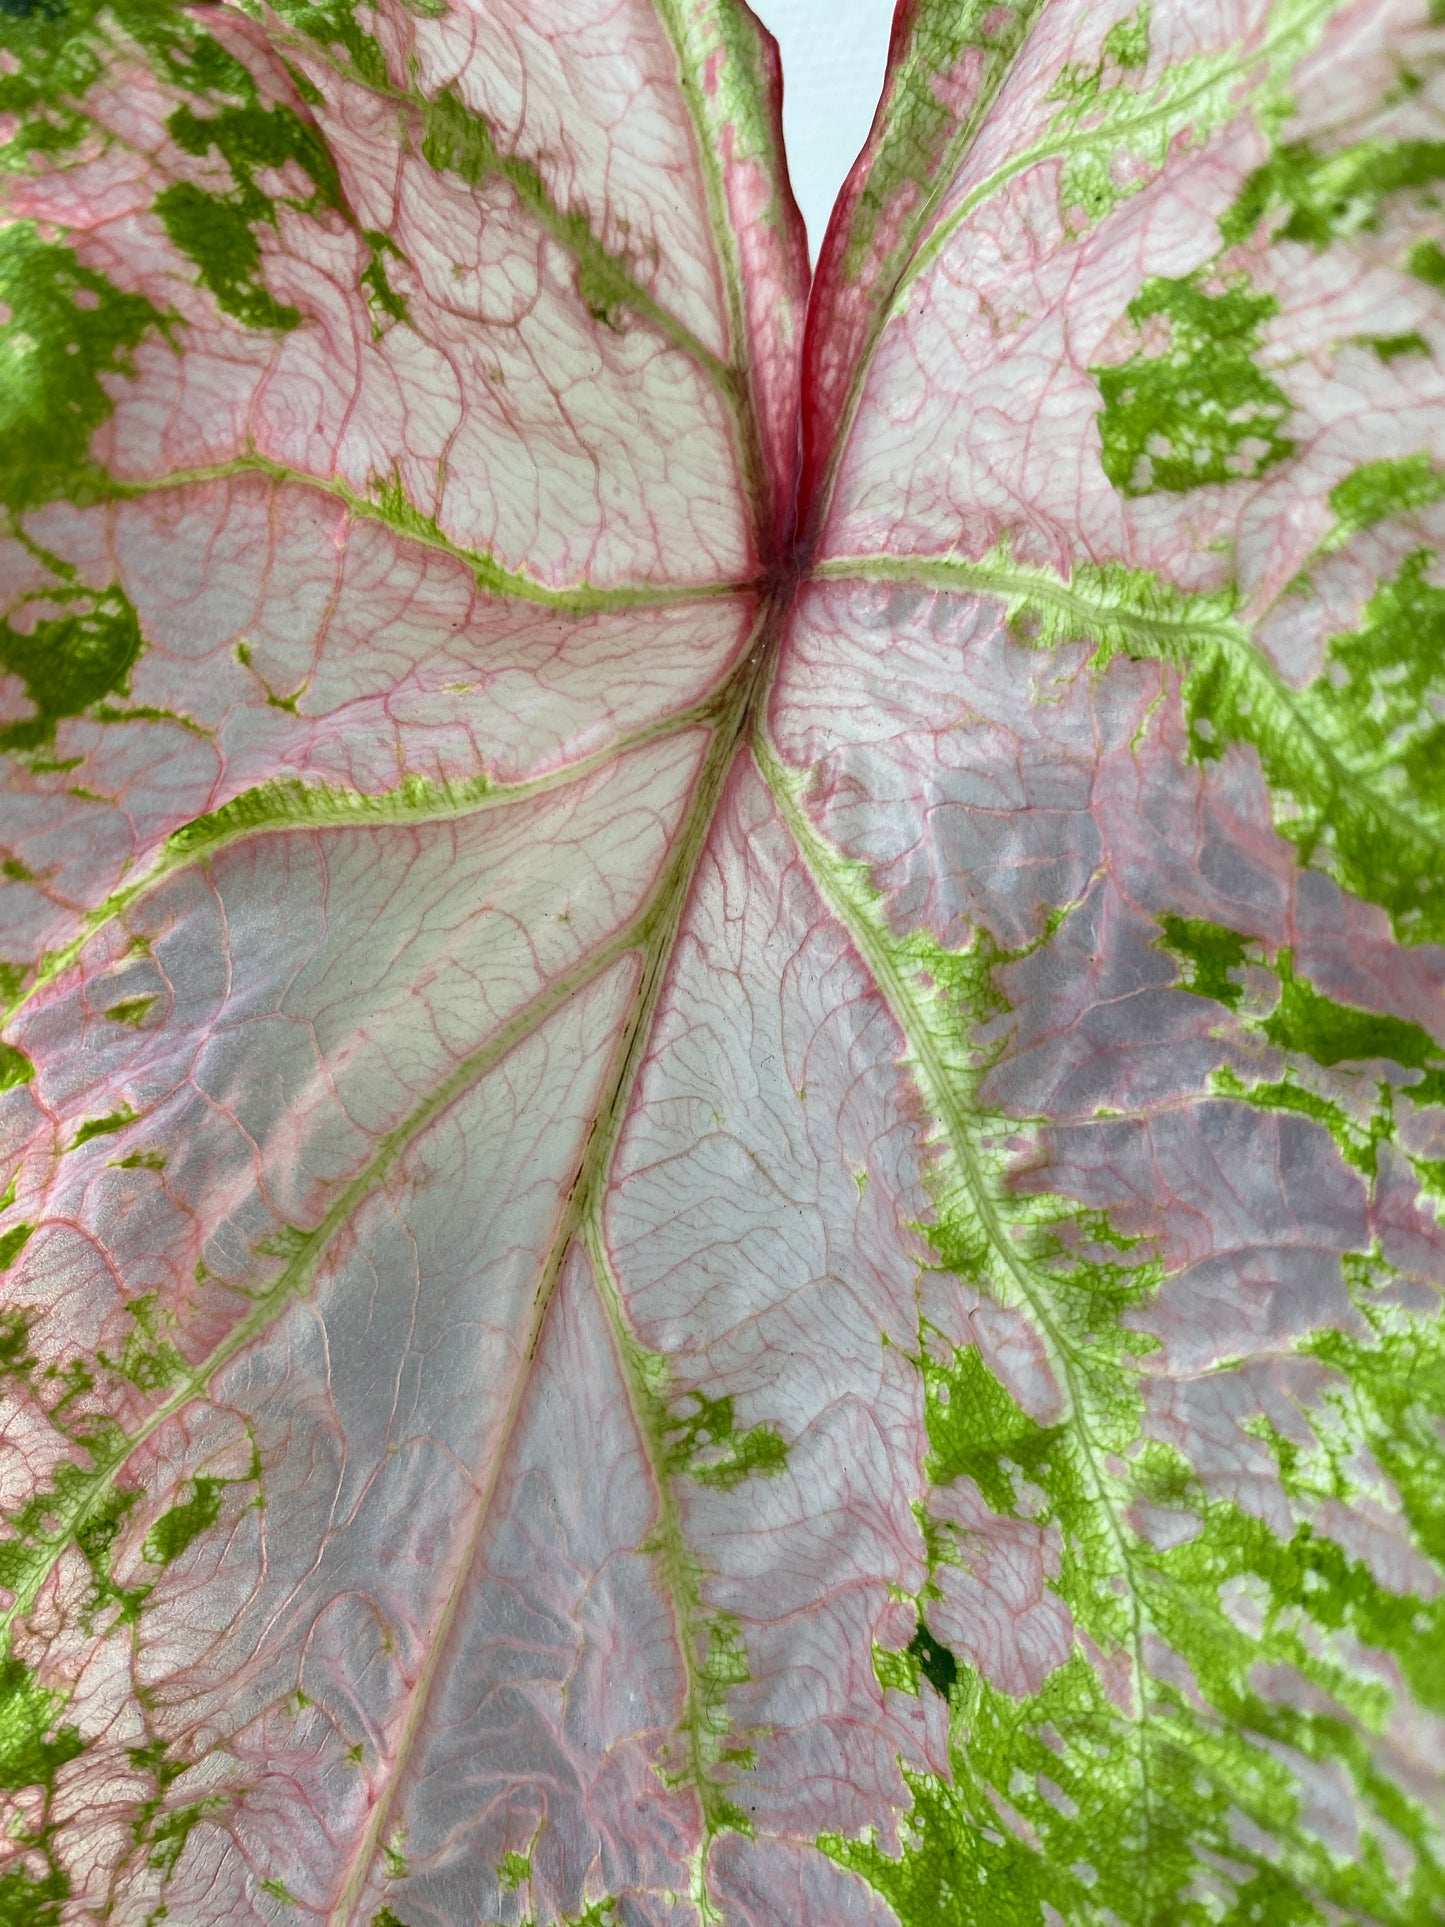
{"x": 724, "y": 1115}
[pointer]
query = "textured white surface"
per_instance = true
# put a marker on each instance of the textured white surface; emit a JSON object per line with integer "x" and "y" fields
{"x": 833, "y": 56}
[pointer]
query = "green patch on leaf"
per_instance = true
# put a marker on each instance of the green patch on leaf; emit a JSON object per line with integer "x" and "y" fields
{"x": 103, "y": 1126}
{"x": 1210, "y": 953}
{"x": 15, "y": 1067}
{"x": 141, "y": 1161}
{"x": 216, "y": 234}
{"x": 29, "y": 1902}
{"x": 12, "y": 1243}
{"x": 65, "y": 327}
{"x": 1195, "y": 408}
{"x": 1392, "y": 347}
{"x": 171, "y": 1832}
{"x": 513, "y": 1870}
{"x": 1358, "y": 1144}
{"x": 217, "y": 231}
{"x": 57, "y": 49}
{"x": 1426, "y": 262}
{"x": 130, "y": 1011}
{"x": 1381, "y": 797}
{"x": 96, "y": 1535}
{"x": 149, "y": 1362}
{"x": 32, "y": 1747}
{"x": 383, "y": 298}
{"x": 334, "y": 24}
{"x": 176, "y": 1530}
{"x": 934, "y": 1662}
{"x": 706, "y": 1444}
{"x": 1327, "y": 197}
{"x": 1375, "y": 490}
{"x": 1315, "y": 1026}
{"x": 15, "y": 1355}
{"x": 69, "y": 662}
{"x": 977, "y": 1431}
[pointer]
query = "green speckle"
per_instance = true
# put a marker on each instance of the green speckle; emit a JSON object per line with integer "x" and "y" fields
{"x": 278, "y": 1890}
{"x": 174, "y": 1531}
{"x": 394, "y": 1853}
{"x": 705, "y": 1444}
{"x": 1211, "y": 952}
{"x": 70, "y": 661}
{"x": 65, "y": 328}
{"x": 15, "y": 1067}
{"x": 102, "y": 1126}
{"x": 12, "y": 1243}
{"x": 131, "y": 1011}
{"x": 1427, "y": 263}
{"x": 1328, "y": 197}
{"x": 1198, "y": 410}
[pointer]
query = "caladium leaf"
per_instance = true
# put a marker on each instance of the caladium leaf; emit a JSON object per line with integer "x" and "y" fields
{"x": 725, "y": 1089}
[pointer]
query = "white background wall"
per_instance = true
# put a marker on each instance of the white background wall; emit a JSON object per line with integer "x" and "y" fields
{"x": 833, "y": 56}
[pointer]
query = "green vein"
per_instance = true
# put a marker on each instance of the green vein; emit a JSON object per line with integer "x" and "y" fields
{"x": 996, "y": 32}
{"x": 84, "y": 1490}
{"x": 1329, "y": 763}
{"x": 1164, "y": 107}
{"x": 654, "y": 934}
{"x": 286, "y": 803}
{"x": 713, "y": 1657}
{"x": 1210, "y": 79}
{"x": 942, "y": 1080}
{"x": 748, "y": 132}
{"x": 389, "y": 505}
{"x": 455, "y": 138}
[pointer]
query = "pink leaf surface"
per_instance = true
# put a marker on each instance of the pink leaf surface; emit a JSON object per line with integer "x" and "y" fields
{"x": 724, "y": 1087}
